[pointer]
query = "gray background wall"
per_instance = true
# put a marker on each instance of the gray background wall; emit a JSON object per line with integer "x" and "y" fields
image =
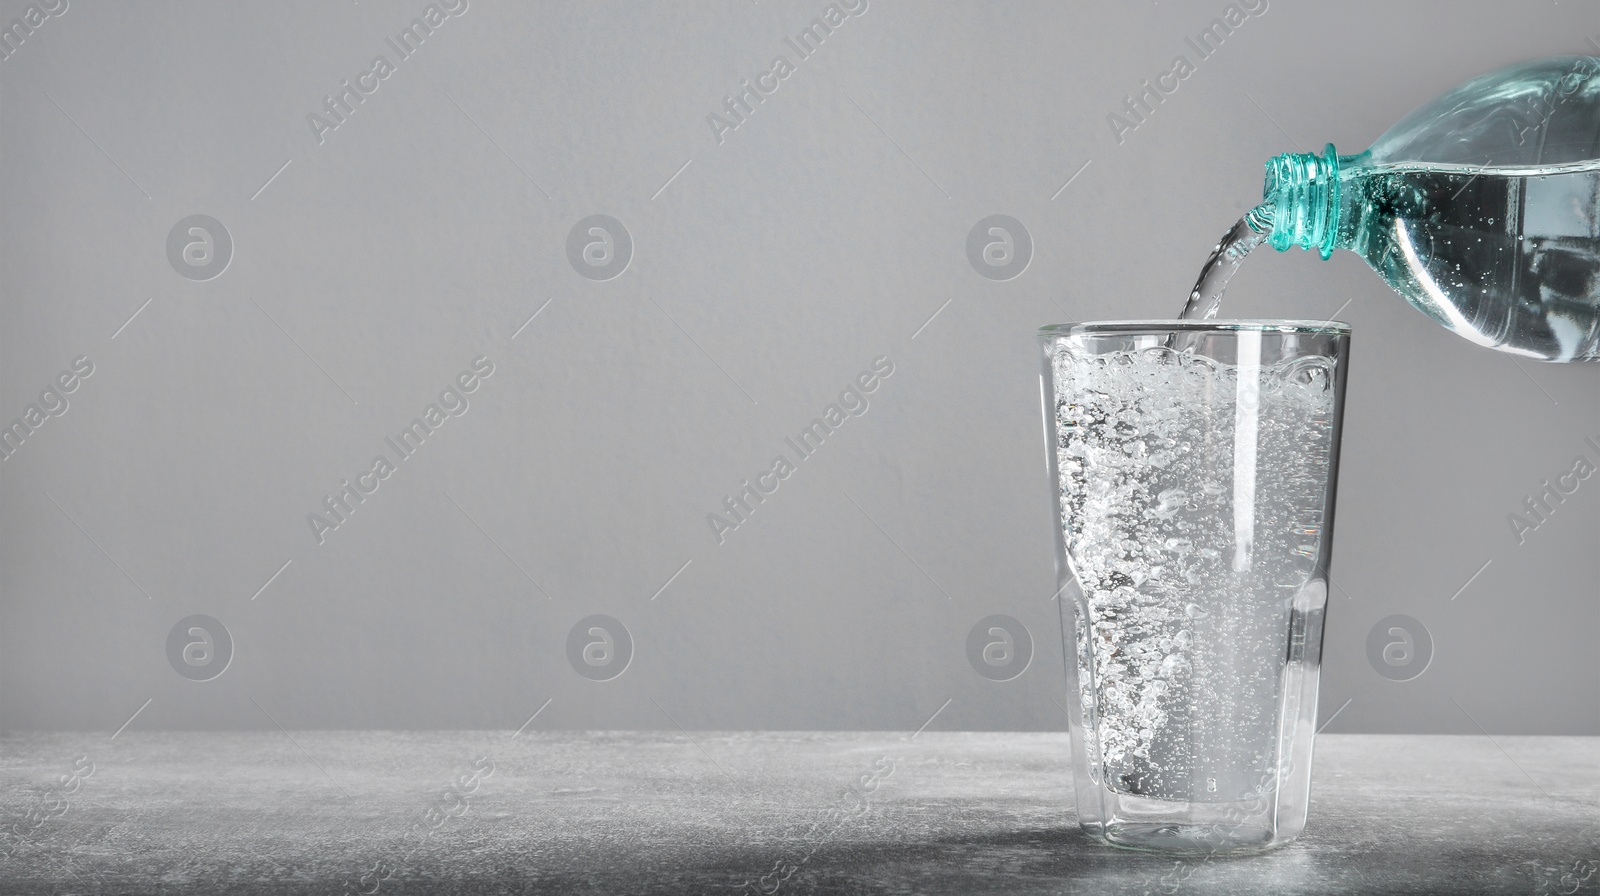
{"x": 825, "y": 232}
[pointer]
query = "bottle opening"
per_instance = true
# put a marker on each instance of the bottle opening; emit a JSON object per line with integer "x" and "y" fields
{"x": 1301, "y": 200}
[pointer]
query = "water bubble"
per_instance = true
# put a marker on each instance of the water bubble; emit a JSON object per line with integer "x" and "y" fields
{"x": 1174, "y": 665}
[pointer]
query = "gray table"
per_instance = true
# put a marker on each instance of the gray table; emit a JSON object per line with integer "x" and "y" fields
{"x": 659, "y": 812}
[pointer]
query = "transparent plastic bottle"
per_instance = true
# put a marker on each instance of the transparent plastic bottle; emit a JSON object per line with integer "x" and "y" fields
{"x": 1482, "y": 208}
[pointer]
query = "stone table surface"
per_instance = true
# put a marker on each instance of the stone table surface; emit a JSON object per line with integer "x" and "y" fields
{"x": 774, "y": 812}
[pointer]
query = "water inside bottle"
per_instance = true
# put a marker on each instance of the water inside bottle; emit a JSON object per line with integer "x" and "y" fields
{"x": 1507, "y": 258}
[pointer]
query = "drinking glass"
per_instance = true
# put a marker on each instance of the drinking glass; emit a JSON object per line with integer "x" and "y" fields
{"x": 1194, "y": 465}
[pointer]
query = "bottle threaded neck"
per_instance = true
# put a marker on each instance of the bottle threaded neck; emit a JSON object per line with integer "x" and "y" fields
{"x": 1302, "y": 194}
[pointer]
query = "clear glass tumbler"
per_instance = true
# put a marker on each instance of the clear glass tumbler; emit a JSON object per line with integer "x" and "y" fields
{"x": 1194, "y": 465}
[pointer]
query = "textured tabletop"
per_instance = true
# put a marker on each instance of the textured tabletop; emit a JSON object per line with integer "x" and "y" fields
{"x": 768, "y": 812}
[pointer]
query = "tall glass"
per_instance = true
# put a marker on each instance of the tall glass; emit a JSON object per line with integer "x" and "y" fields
{"x": 1194, "y": 465}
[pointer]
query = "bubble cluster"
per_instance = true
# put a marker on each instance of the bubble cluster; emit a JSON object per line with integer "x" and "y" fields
{"x": 1193, "y": 498}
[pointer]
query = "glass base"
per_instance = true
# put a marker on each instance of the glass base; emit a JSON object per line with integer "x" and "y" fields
{"x": 1189, "y": 839}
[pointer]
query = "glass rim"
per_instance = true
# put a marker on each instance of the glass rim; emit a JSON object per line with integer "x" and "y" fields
{"x": 1169, "y": 325}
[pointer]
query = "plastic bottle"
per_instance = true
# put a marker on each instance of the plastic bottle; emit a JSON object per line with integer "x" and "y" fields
{"x": 1482, "y": 208}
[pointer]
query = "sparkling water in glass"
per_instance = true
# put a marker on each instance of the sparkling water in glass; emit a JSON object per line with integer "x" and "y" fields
{"x": 1194, "y": 465}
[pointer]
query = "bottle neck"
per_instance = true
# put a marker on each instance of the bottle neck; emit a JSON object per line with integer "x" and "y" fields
{"x": 1301, "y": 197}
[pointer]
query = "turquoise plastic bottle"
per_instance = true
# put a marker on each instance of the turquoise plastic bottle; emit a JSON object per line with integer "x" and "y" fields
{"x": 1482, "y": 208}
